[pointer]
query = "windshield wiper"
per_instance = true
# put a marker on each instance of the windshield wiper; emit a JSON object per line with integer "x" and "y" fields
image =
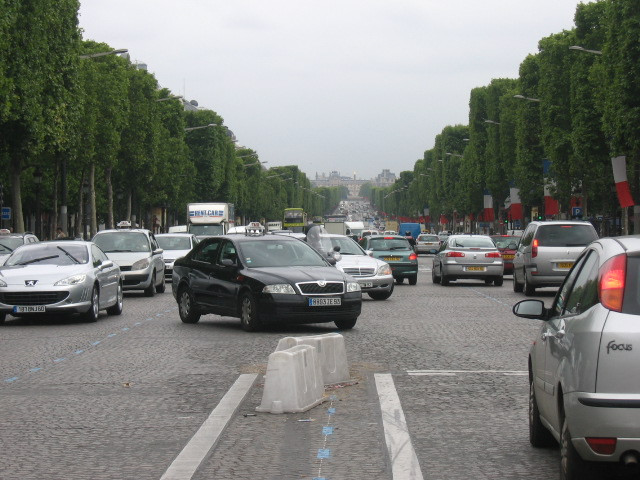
{"x": 118, "y": 251}
{"x": 38, "y": 260}
{"x": 398, "y": 248}
{"x": 69, "y": 255}
{"x": 5, "y": 246}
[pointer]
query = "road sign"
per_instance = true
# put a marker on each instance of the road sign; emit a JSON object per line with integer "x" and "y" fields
{"x": 576, "y": 211}
{"x": 6, "y": 213}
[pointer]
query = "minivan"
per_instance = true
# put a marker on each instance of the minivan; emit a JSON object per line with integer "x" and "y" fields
{"x": 547, "y": 251}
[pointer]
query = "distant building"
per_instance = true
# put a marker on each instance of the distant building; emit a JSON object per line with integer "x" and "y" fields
{"x": 353, "y": 184}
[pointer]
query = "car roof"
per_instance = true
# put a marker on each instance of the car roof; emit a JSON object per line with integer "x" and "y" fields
{"x": 175, "y": 234}
{"x": 125, "y": 230}
{"x": 561, "y": 222}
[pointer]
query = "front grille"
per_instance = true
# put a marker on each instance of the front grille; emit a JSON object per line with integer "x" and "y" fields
{"x": 32, "y": 298}
{"x": 312, "y": 288}
{"x": 359, "y": 272}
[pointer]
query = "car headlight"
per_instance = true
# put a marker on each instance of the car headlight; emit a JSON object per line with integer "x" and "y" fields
{"x": 384, "y": 269}
{"x": 284, "y": 288}
{"x": 353, "y": 287}
{"x": 140, "y": 264}
{"x": 74, "y": 280}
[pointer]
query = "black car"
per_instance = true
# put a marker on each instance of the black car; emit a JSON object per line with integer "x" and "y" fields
{"x": 263, "y": 279}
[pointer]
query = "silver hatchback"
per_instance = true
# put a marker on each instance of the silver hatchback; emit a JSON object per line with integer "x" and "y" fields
{"x": 468, "y": 256}
{"x": 547, "y": 251}
{"x": 583, "y": 366}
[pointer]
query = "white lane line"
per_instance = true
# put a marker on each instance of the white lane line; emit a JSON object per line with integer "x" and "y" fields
{"x": 453, "y": 372}
{"x": 194, "y": 452}
{"x": 404, "y": 462}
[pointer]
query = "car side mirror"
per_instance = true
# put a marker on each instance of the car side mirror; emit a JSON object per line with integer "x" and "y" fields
{"x": 332, "y": 261}
{"x": 106, "y": 264}
{"x": 530, "y": 309}
{"x": 369, "y": 252}
{"x": 336, "y": 248}
{"x": 227, "y": 262}
{"x": 158, "y": 251}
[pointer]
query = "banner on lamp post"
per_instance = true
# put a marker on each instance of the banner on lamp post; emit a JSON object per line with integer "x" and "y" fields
{"x": 489, "y": 214}
{"x": 515, "y": 209}
{"x": 619, "y": 165}
{"x": 551, "y": 205}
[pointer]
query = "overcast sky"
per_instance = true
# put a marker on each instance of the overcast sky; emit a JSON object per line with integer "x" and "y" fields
{"x": 346, "y": 85}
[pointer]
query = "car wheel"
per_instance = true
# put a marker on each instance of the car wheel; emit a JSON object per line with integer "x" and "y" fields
{"x": 539, "y": 436}
{"x": 434, "y": 278}
{"x": 400, "y": 279}
{"x": 347, "y": 324}
{"x": 381, "y": 295}
{"x": 187, "y": 306}
{"x": 3, "y": 316}
{"x": 488, "y": 281}
{"x": 527, "y": 287}
{"x": 91, "y": 315}
{"x": 498, "y": 281}
{"x": 249, "y": 313}
{"x": 161, "y": 286}
{"x": 517, "y": 287}
{"x": 116, "y": 308}
{"x": 150, "y": 291}
{"x": 413, "y": 280}
{"x": 572, "y": 466}
{"x": 444, "y": 280}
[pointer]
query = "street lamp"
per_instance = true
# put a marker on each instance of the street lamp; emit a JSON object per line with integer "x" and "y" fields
{"x": 491, "y": 122}
{"x": 454, "y": 155}
{"x": 529, "y": 99}
{"x": 189, "y": 129}
{"x": 582, "y": 49}
{"x": 102, "y": 54}
{"x": 37, "y": 179}
{"x": 85, "y": 192}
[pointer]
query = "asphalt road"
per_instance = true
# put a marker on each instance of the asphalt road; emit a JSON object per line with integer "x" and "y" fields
{"x": 121, "y": 398}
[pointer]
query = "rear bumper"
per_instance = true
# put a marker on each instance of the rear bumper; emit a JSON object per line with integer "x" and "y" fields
{"x": 603, "y": 415}
{"x": 426, "y": 249}
{"x": 400, "y": 270}
{"x": 458, "y": 271}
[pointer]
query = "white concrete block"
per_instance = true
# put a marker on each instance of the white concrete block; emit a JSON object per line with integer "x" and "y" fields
{"x": 331, "y": 353}
{"x": 293, "y": 382}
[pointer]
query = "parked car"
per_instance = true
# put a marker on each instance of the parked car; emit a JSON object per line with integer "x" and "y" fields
{"x": 263, "y": 279}
{"x": 174, "y": 245}
{"x": 138, "y": 255}
{"x": 10, "y": 241}
{"x": 584, "y": 384}
{"x": 546, "y": 252}
{"x": 60, "y": 277}
{"x": 427, "y": 243}
{"x": 374, "y": 276}
{"x": 468, "y": 257}
{"x": 396, "y": 251}
{"x": 507, "y": 246}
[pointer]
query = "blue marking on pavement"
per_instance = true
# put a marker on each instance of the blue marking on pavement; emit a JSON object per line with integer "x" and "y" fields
{"x": 331, "y": 411}
{"x": 59, "y": 360}
{"x": 12, "y": 379}
{"x": 490, "y": 297}
{"x": 324, "y": 453}
{"x": 35, "y": 369}
{"x": 137, "y": 323}
{"x": 95, "y": 343}
{"x": 78, "y": 352}
{"x": 125, "y": 329}
{"x": 159, "y": 314}
{"x": 318, "y": 478}
{"x": 327, "y": 430}
{"x": 167, "y": 311}
{"x": 112, "y": 335}
{"x": 149, "y": 319}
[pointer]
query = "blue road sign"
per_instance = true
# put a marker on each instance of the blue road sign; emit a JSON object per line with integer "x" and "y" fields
{"x": 576, "y": 211}
{"x": 6, "y": 213}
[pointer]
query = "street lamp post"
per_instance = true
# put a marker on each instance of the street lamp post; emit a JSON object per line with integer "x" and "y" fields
{"x": 37, "y": 179}
{"x": 492, "y": 122}
{"x": 190, "y": 129}
{"x": 85, "y": 222}
{"x": 102, "y": 54}
{"x": 582, "y": 49}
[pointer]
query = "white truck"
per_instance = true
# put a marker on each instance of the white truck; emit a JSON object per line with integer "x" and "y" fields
{"x": 274, "y": 225}
{"x": 336, "y": 227}
{"x": 207, "y": 219}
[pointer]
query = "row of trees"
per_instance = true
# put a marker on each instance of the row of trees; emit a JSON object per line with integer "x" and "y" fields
{"x": 95, "y": 138}
{"x": 575, "y": 108}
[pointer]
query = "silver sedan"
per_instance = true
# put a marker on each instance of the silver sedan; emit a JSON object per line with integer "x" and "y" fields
{"x": 60, "y": 278}
{"x": 468, "y": 256}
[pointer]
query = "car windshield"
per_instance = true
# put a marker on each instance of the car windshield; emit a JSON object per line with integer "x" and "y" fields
{"x": 49, "y": 254}
{"x": 169, "y": 242}
{"x": 472, "y": 242}
{"x": 280, "y": 253}
{"x": 504, "y": 242}
{"x": 346, "y": 244}
{"x": 9, "y": 244}
{"x": 427, "y": 238}
{"x": 386, "y": 243}
{"x": 565, "y": 235}
{"x": 206, "y": 229}
{"x": 113, "y": 242}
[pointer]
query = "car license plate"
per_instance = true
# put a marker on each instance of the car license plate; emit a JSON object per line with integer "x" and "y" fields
{"x": 29, "y": 309}
{"x": 366, "y": 284}
{"x": 323, "y": 302}
{"x": 508, "y": 256}
{"x": 392, "y": 259}
{"x": 475, "y": 269}
{"x": 565, "y": 265}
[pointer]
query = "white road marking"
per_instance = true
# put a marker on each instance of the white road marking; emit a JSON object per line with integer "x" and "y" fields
{"x": 454, "y": 372}
{"x": 194, "y": 452}
{"x": 404, "y": 462}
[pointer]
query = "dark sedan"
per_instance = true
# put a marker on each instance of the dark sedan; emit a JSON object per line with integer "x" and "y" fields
{"x": 263, "y": 279}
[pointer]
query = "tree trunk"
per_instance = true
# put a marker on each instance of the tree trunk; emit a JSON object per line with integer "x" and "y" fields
{"x": 80, "y": 209}
{"x": 92, "y": 199}
{"x": 128, "y": 215}
{"x": 16, "y": 194}
{"x": 53, "y": 224}
{"x": 107, "y": 174}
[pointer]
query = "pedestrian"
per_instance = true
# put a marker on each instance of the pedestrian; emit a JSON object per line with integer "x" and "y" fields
{"x": 60, "y": 233}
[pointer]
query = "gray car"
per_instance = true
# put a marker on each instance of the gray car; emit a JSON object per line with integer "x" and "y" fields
{"x": 584, "y": 380}
{"x": 10, "y": 241}
{"x": 61, "y": 277}
{"x": 174, "y": 246}
{"x": 468, "y": 257}
{"x": 547, "y": 251}
{"x": 139, "y": 256}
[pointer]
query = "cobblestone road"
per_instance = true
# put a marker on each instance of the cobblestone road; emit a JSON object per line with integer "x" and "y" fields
{"x": 119, "y": 399}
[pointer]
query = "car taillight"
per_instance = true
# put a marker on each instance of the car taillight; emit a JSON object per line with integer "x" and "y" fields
{"x": 413, "y": 256}
{"x": 534, "y": 248}
{"x": 603, "y": 446}
{"x": 455, "y": 254}
{"x": 612, "y": 280}
{"x": 493, "y": 255}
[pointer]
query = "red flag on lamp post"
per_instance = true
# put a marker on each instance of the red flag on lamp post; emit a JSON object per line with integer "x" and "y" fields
{"x": 619, "y": 165}
{"x": 515, "y": 211}
{"x": 489, "y": 214}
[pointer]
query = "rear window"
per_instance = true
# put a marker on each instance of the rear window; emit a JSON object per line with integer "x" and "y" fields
{"x": 504, "y": 242}
{"x": 565, "y": 235}
{"x": 471, "y": 242}
{"x": 428, "y": 238}
{"x": 383, "y": 244}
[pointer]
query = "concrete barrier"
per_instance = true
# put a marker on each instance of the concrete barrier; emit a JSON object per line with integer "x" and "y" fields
{"x": 293, "y": 382}
{"x": 331, "y": 353}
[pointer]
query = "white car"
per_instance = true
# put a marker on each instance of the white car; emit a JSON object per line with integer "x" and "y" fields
{"x": 174, "y": 246}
